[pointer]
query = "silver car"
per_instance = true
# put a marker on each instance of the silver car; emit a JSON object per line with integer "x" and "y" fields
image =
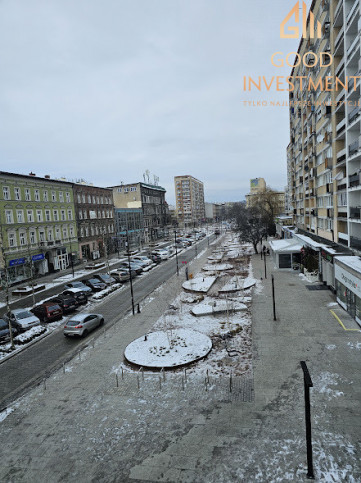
{"x": 23, "y": 319}
{"x": 82, "y": 324}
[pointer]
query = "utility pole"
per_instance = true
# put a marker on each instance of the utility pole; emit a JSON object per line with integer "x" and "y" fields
{"x": 3, "y": 256}
{"x": 130, "y": 275}
{"x": 176, "y": 249}
{"x": 31, "y": 265}
{"x": 106, "y": 254}
{"x": 71, "y": 258}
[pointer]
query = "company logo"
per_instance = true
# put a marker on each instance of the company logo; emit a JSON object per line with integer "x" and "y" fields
{"x": 296, "y": 31}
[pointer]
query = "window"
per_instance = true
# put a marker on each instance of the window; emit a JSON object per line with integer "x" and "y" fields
{"x": 47, "y": 215}
{"x": 17, "y": 194}
{"x": 45, "y": 196}
{"x": 133, "y": 188}
{"x": 97, "y": 200}
{"x": 36, "y": 195}
{"x": 81, "y": 231}
{"x": 39, "y": 215}
{"x": 42, "y": 236}
{"x": 83, "y": 198}
{"x": 119, "y": 190}
{"x": 79, "y": 198}
{"x": 97, "y": 230}
{"x": 55, "y": 215}
{"x": 53, "y": 195}
{"x": 32, "y": 237}
{"x": 65, "y": 232}
{"x": 93, "y": 199}
{"x": 102, "y": 200}
{"x": 89, "y": 199}
{"x": 22, "y": 237}
{"x": 61, "y": 196}
{"x": 126, "y": 190}
{"x": 71, "y": 229}
{"x": 20, "y": 216}
{"x": 12, "y": 240}
{"x": 84, "y": 214}
{"x": 103, "y": 214}
{"x": 92, "y": 230}
{"x": 30, "y": 215}
{"x": 50, "y": 234}
{"x": 80, "y": 215}
{"x": 9, "y": 216}
{"x": 57, "y": 233}
{"x": 70, "y": 215}
{"x": 6, "y": 193}
{"x": 62, "y": 215}
{"x": 67, "y": 196}
{"x": 27, "y": 194}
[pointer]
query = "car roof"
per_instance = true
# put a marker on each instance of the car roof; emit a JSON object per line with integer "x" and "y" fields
{"x": 73, "y": 290}
{"x": 17, "y": 311}
{"x": 81, "y": 316}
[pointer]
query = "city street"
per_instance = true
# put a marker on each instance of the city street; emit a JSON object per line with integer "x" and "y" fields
{"x": 40, "y": 359}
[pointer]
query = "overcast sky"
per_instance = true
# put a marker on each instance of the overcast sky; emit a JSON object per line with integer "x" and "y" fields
{"x": 106, "y": 89}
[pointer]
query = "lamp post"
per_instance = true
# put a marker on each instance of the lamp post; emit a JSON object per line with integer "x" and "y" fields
{"x": 106, "y": 253}
{"x": 31, "y": 265}
{"x": 130, "y": 275}
{"x": 176, "y": 249}
{"x": 3, "y": 256}
{"x": 71, "y": 257}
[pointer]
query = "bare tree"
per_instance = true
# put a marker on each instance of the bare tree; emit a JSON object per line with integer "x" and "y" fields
{"x": 249, "y": 223}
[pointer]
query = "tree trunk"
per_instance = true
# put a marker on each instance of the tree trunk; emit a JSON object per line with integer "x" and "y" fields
{"x": 255, "y": 247}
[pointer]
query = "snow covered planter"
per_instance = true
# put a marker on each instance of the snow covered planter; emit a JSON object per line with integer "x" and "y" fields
{"x": 311, "y": 276}
{"x": 29, "y": 335}
{"x": 219, "y": 267}
{"x": 168, "y": 349}
{"x": 199, "y": 284}
{"x": 217, "y": 307}
{"x": 106, "y": 291}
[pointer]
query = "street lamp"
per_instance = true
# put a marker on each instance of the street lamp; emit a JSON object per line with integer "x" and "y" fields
{"x": 176, "y": 249}
{"x": 130, "y": 274}
{"x": 2, "y": 248}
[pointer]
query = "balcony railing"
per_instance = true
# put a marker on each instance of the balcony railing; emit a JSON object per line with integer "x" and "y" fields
{"x": 353, "y": 148}
{"x": 355, "y": 213}
{"x": 354, "y": 114}
{"x": 352, "y": 11}
{"x": 355, "y": 242}
{"x": 354, "y": 180}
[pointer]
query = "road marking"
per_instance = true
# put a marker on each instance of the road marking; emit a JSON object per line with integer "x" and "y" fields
{"x": 340, "y": 322}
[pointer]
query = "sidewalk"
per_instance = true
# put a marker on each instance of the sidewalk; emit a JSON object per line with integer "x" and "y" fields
{"x": 82, "y": 427}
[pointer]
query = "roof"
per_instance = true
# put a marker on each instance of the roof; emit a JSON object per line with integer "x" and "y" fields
{"x": 306, "y": 240}
{"x": 285, "y": 246}
{"x": 38, "y": 178}
{"x": 350, "y": 261}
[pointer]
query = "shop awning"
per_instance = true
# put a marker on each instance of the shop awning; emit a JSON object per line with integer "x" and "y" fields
{"x": 285, "y": 246}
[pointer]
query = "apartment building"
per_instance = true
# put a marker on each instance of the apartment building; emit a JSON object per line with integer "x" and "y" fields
{"x": 261, "y": 196}
{"x": 324, "y": 155}
{"x": 94, "y": 213}
{"x": 38, "y": 230}
{"x": 189, "y": 195}
{"x": 150, "y": 200}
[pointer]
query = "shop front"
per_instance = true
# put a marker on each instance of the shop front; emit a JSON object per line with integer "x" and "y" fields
{"x": 348, "y": 284}
{"x": 19, "y": 269}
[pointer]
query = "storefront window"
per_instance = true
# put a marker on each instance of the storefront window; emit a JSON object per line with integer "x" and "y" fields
{"x": 358, "y": 308}
{"x": 341, "y": 293}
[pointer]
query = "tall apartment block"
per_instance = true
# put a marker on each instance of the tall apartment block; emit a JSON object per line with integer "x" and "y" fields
{"x": 189, "y": 195}
{"x": 324, "y": 154}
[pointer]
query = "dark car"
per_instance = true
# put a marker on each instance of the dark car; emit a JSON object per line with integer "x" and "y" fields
{"x": 134, "y": 267}
{"x": 104, "y": 277}
{"x": 67, "y": 303}
{"x": 95, "y": 284}
{"x": 5, "y": 332}
{"x": 125, "y": 268}
{"x": 155, "y": 258}
{"x": 48, "y": 312}
{"x": 80, "y": 296}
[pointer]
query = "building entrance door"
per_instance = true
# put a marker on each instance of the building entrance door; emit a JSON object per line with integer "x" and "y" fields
{"x": 63, "y": 261}
{"x": 351, "y": 303}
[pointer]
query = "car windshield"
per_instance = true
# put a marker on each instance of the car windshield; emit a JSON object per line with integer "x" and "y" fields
{"x": 24, "y": 315}
{"x": 94, "y": 281}
{"x": 3, "y": 324}
{"x": 77, "y": 284}
{"x": 53, "y": 307}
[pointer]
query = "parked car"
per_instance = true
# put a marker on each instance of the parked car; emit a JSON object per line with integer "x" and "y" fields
{"x": 143, "y": 260}
{"x": 78, "y": 285}
{"x": 164, "y": 254}
{"x": 120, "y": 275}
{"x": 80, "y": 296}
{"x": 155, "y": 258}
{"x": 133, "y": 265}
{"x": 104, "y": 277}
{"x": 48, "y": 312}
{"x": 23, "y": 319}
{"x": 82, "y": 324}
{"x": 67, "y": 303}
{"x": 5, "y": 332}
{"x": 124, "y": 268}
{"x": 95, "y": 284}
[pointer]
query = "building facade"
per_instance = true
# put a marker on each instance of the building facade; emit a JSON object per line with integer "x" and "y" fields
{"x": 150, "y": 199}
{"x": 324, "y": 154}
{"x": 189, "y": 194}
{"x": 37, "y": 225}
{"x": 95, "y": 220}
{"x": 262, "y": 196}
{"x": 129, "y": 220}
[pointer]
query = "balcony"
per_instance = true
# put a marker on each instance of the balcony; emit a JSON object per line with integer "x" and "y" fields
{"x": 341, "y": 126}
{"x": 351, "y": 13}
{"x": 351, "y": 50}
{"x": 355, "y": 213}
{"x": 355, "y": 242}
{"x": 338, "y": 8}
{"x": 353, "y": 148}
{"x": 354, "y": 114}
{"x": 354, "y": 180}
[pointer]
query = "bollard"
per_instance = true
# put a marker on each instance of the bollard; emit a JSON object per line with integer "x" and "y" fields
{"x": 104, "y": 333}
{"x": 230, "y": 382}
{"x": 44, "y": 382}
{"x": 205, "y": 384}
{"x": 182, "y": 383}
{"x": 138, "y": 383}
{"x": 116, "y": 378}
{"x": 160, "y": 383}
{"x": 64, "y": 367}
{"x": 138, "y": 309}
{"x": 79, "y": 356}
{"x": 207, "y": 376}
{"x": 185, "y": 376}
{"x": 142, "y": 371}
{"x": 122, "y": 374}
{"x": 162, "y": 370}
{"x": 93, "y": 343}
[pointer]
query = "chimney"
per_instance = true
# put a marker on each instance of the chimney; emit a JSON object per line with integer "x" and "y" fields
{"x": 32, "y": 174}
{"x": 47, "y": 176}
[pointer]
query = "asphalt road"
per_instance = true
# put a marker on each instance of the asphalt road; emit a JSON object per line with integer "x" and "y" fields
{"x": 36, "y": 362}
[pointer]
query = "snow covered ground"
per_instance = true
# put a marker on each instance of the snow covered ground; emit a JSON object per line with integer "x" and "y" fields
{"x": 199, "y": 284}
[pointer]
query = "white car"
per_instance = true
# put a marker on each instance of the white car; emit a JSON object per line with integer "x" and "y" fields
{"x": 143, "y": 260}
{"x": 22, "y": 319}
{"x": 164, "y": 254}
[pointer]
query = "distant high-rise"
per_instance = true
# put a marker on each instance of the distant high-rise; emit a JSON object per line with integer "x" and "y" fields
{"x": 189, "y": 194}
